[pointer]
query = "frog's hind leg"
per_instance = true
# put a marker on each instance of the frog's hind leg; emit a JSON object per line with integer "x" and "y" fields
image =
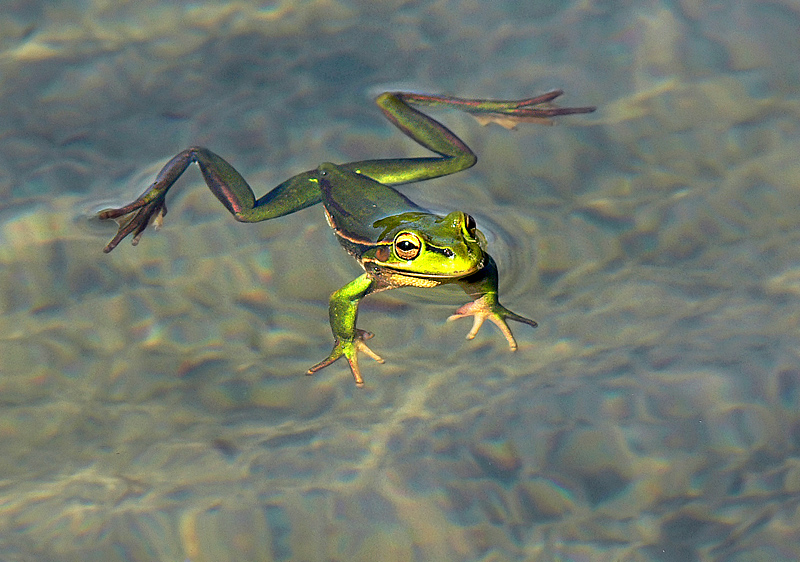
{"x": 225, "y": 183}
{"x": 454, "y": 154}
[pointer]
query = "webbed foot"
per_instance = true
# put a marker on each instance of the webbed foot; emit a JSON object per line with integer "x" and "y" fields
{"x": 509, "y": 114}
{"x": 135, "y": 218}
{"x": 485, "y": 308}
{"x": 349, "y": 349}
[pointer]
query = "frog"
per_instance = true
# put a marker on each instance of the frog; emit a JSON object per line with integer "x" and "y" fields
{"x": 397, "y": 242}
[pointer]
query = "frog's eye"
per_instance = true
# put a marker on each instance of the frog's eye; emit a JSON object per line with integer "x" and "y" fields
{"x": 407, "y": 245}
{"x": 469, "y": 224}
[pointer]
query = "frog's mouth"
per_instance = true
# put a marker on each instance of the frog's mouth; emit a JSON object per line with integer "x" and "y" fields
{"x": 419, "y": 275}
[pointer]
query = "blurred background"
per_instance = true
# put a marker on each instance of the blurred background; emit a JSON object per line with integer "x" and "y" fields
{"x": 154, "y": 406}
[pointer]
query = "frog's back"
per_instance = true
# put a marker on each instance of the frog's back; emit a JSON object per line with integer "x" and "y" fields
{"x": 355, "y": 203}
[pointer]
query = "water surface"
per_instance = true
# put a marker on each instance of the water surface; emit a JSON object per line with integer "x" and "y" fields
{"x": 154, "y": 403}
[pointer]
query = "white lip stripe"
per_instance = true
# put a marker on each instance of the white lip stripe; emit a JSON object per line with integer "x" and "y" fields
{"x": 424, "y": 275}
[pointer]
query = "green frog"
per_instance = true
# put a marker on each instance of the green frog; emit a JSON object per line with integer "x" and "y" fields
{"x": 398, "y": 243}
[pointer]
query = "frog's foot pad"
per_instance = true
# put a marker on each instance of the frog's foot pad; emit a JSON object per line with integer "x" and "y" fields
{"x": 350, "y": 352}
{"x": 483, "y": 309}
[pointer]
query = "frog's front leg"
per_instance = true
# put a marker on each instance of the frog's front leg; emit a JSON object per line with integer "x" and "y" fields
{"x": 482, "y": 286}
{"x": 225, "y": 183}
{"x": 349, "y": 340}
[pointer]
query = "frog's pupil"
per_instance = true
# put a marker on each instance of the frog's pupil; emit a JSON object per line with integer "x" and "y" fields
{"x": 471, "y": 226}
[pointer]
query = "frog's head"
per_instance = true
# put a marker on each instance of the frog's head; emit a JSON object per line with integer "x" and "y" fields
{"x": 422, "y": 244}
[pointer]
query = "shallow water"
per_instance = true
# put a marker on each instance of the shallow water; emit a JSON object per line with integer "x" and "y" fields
{"x": 154, "y": 403}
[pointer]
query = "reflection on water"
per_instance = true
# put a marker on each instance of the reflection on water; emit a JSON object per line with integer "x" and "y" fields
{"x": 154, "y": 403}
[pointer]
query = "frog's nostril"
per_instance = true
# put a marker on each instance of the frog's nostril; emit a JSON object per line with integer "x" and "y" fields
{"x": 448, "y": 253}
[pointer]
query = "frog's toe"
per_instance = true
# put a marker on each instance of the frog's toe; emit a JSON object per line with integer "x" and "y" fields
{"x": 501, "y": 323}
{"x": 353, "y": 361}
{"x": 349, "y": 351}
{"x": 477, "y": 319}
{"x": 322, "y": 364}
{"x": 364, "y": 348}
{"x": 134, "y": 219}
{"x": 359, "y": 345}
{"x": 499, "y": 320}
{"x": 483, "y": 309}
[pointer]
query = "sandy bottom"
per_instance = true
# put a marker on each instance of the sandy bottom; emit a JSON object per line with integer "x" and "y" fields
{"x": 154, "y": 406}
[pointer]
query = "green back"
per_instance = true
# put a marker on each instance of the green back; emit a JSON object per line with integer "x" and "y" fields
{"x": 356, "y": 202}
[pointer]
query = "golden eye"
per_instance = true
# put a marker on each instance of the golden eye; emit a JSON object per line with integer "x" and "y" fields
{"x": 407, "y": 245}
{"x": 470, "y": 225}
